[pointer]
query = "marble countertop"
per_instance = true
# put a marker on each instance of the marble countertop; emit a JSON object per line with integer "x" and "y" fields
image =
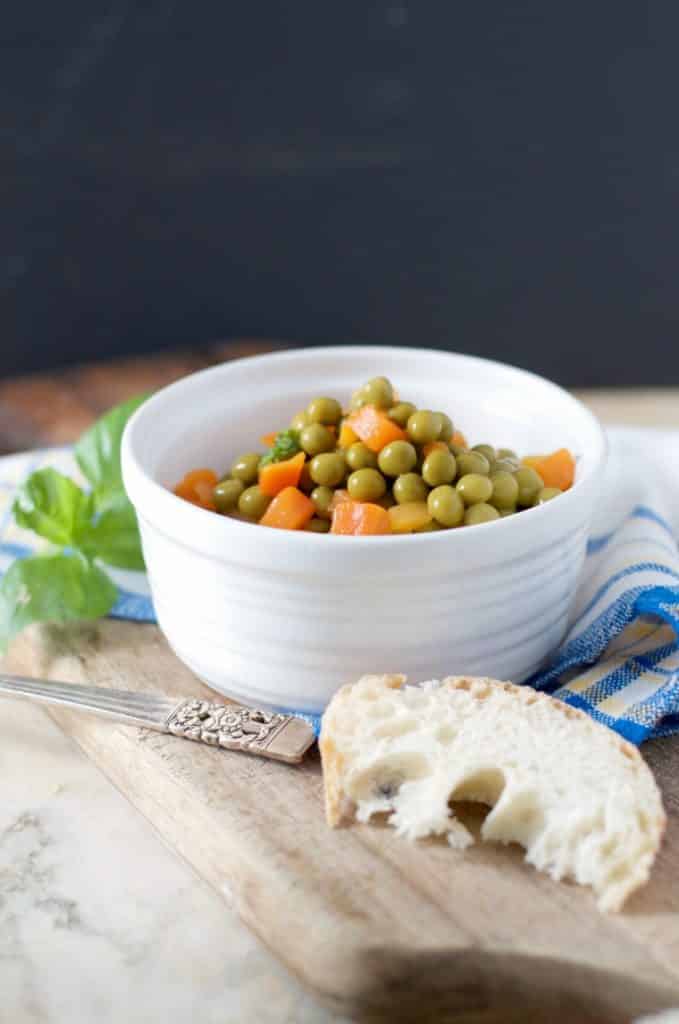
{"x": 99, "y": 921}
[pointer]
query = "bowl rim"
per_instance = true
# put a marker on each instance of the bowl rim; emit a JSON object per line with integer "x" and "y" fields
{"x": 232, "y": 529}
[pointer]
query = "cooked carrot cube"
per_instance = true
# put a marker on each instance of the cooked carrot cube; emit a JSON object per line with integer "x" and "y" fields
{"x": 203, "y": 491}
{"x": 410, "y": 516}
{"x": 337, "y": 499}
{"x": 359, "y": 518}
{"x": 197, "y": 487}
{"x": 274, "y": 477}
{"x": 433, "y": 445}
{"x": 195, "y": 476}
{"x": 289, "y": 510}
{"x": 347, "y": 436}
{"x": 374, "y": 428}
{"x": 556, "y": 470}
{"x": 182, "y": 490}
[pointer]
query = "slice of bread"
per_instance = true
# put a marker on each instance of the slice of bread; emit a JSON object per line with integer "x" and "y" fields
{"x": 580, "y": 799}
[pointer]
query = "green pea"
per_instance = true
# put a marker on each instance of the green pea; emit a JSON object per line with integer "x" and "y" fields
{"x": 379, "y": 392}
{"x": 409, "y": 487}
{"x": 474, "y": 488}
{"x": 397, "y": 458}
{"x": 507, "y": 453}
{"x": 324, "y": 410}
{"x": 299, "y": 421}
{"x": 447, "y": 429}
{"x": 480, "y": 513}
{"x": 306, "y": 484}
{"x": 366, "y": 485}
{"x": 472, "y": 462}
{"x": 321, "y": 497}
{"x": 359, "y": 456}
{"x": 402, "y": 412}
{"x": 252, "y": 503}
{"x": 530, "y": 484}
{"x": 446, "y": 506}
{"x": 328, "y": 469}
{"x": 246, "y": 468}
{"x": 316, "y": 438}
{"x": 226, "y": 495}
{"x": 487, "y": 450}
{"x": 505, "y": 466}
{"x": 547, "y": 493}
{"x": 507, "y": 511}
{"x": 429, "y": 527}
{"x": 439, "y": 467}
{"x": 357, "y": 400}
{"x": 438, "y": 416}
{"x": 505, "y": 490}
{"x": 316, "y": 525}
{"x": 423, "y": 426}
{"x": 456, "y": 449}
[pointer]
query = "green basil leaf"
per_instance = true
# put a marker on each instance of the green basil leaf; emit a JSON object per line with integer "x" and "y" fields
{"x": 52, "y": 588}
{"x": 51, "y": 505}
{"x": 113, "y": 536}
{"x": 98, "y": 452}
{"x": 286, "y": 444}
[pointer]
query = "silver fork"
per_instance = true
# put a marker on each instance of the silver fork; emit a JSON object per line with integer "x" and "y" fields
{"x": 230, "y": 726}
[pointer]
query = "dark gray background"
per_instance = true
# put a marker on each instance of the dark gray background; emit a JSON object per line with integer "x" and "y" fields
{"x": 500, "y": 178}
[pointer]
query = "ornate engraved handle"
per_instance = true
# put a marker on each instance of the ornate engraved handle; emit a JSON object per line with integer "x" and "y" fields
{"x": 266, "y": 733}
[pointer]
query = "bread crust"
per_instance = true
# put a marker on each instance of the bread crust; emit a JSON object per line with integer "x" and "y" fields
{"x": 339, "y": 809}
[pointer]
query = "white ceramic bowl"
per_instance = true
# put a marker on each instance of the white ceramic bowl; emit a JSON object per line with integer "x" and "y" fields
{"x": 279, "y": 618}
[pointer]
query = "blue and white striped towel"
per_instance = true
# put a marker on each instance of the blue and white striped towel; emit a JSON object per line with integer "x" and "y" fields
{"x": 620, "y": 659}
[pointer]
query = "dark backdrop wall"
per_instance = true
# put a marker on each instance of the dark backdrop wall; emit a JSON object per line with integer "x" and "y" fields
{"x": 500, "y": 178}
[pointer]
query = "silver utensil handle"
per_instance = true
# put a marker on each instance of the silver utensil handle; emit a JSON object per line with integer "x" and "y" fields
{"x": 144, "y": 709}
{"x": 230, "y": 726}
{"x": 234, "y": 727}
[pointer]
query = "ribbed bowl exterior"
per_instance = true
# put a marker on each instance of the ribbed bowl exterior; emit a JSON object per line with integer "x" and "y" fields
{"x": 274, "y": 639}
{"x": 282, "y": 620}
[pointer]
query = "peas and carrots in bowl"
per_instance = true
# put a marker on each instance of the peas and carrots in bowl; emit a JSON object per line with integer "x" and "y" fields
{"x": 382, "y": 466}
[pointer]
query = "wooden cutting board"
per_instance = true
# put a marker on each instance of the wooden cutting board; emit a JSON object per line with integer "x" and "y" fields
{"x": 379, "y": 928}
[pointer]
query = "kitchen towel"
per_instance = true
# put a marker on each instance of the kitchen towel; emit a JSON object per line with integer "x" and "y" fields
{"x": 619, "y": 661}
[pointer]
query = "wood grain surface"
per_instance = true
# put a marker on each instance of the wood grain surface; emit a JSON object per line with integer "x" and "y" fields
{"x": 379, "y": 928}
